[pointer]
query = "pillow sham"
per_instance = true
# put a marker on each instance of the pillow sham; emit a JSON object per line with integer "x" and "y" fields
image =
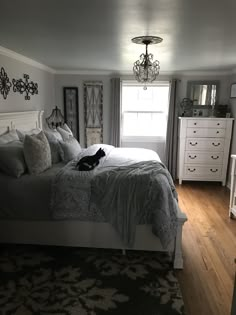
{"x": 37, "y": 153}
{"x": 65, "y": 134}
{"x": 53, "y": 139}
{"x": 67, "y": 128}
{"x": 53, "y": 135}
{"x": 12, "y": 161}
{"x": 69, "y": 149}
{"x": 9, "y": 137}
{"x": 22, "y": 134}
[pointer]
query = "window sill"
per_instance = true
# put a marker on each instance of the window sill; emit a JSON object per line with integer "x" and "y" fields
{"x": 143, "y": 139}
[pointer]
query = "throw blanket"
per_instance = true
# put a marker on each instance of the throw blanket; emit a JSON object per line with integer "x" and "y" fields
{"x": 130, "y": 194}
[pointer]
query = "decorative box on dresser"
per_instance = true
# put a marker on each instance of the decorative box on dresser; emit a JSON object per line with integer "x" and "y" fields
{"x": 203, "y": 148}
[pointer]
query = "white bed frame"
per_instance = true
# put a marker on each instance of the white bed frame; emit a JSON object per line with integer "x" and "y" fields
{"x": 76, "y": 233}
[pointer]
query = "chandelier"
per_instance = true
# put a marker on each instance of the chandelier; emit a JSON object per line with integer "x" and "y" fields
{"x": 145, "y": 69}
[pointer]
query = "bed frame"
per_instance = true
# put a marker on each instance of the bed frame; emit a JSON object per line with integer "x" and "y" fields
{"x": 76, "y": 233}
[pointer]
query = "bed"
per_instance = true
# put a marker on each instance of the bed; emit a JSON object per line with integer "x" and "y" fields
{"x": 22, "y": 229}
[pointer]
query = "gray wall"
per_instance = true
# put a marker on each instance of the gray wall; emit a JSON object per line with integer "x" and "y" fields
{"x": 77, "y": 81}
{"x": 44, "y": 100}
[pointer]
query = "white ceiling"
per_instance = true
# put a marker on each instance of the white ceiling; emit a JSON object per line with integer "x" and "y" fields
{"x": 96, "y": 35}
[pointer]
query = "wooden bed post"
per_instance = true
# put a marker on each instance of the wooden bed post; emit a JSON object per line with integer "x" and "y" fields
{"x": 178, "y": 255}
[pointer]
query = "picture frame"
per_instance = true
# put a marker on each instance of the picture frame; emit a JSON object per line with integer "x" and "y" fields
{"x": 233, "y": 90}
{"x": 71, "y": 109}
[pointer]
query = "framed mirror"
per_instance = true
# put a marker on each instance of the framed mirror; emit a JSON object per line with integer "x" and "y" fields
{"x": 203, "y": 92}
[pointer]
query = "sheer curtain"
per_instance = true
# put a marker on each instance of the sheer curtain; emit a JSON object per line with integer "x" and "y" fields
{"x": 172, "y": 131}
{"x": 115, "y": 111}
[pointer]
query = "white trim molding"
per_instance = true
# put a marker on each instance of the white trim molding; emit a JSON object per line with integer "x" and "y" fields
{"x": 14, "y": 55}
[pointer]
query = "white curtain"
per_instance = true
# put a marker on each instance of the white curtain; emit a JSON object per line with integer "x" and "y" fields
{"x": 172, "y": 131}
{"x": 115, "y": 111}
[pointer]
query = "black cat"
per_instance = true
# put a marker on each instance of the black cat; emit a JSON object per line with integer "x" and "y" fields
{"x": 87, "y": 163}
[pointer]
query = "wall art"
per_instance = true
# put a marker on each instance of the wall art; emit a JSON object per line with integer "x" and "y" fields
{"x": 233, "y": 90}
{"x": 27, "y": 87}
{"x": 5, "y": 83}
{"x": 71, "y": 109}
{"x": 93, "y": 112}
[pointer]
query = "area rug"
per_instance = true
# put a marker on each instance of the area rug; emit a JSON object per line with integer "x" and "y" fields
{"x": 72, "y": 281}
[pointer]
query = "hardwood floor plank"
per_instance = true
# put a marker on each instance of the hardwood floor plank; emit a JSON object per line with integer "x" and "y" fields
{"x": 209, "y": 249}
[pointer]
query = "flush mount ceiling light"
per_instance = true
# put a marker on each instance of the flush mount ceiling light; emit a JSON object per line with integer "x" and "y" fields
{"x": 145, "y": 69}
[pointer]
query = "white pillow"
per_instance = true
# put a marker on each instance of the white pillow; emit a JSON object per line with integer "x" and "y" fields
{"x": 70, "y": 149}
{"x": 66, "y": 128}
{"x": 9, "y": 137}
{"x": 53, "y": 135}
{"x": 65, "y": 134}
{"x": 22, "y": 134}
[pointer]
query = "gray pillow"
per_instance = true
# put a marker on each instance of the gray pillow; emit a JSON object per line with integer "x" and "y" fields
{"x": 69, "y": 149}
{"x": 21, "y": 134}
{"x": 37, "y": 153}
{"x": 12, "y": 161}
{"x": 53, "y": 137}
{"x": 9, "y": 137}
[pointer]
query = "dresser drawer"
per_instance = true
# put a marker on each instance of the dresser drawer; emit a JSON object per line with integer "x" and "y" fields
{"x": 203, "y": 171}
{"x": 207, "y": 123}
{"x": 195, "y": 157}
{"x": 206, "y": 132}
{"x": 204, "y": 144}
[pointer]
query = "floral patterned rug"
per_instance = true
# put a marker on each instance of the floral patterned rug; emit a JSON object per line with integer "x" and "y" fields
{"x": 73, "y": 281}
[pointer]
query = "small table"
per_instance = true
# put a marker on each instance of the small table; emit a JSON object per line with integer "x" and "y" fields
{"x": 232, "y": 203}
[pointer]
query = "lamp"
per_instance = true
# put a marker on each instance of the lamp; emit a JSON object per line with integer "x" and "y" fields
{"x": 145, "y": 69}
{"x": 56, "y": 119}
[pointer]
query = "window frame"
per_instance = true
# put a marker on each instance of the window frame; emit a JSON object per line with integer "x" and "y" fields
{"x": 141, "y": 138}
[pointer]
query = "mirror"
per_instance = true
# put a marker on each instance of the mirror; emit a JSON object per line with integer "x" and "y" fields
{"x": 203, "y": 92}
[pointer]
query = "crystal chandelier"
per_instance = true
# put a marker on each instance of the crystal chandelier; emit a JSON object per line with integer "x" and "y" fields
{"x": 145, "y": 69}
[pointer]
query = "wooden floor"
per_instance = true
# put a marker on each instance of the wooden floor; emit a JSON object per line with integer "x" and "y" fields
{"x": 209, "y": 247}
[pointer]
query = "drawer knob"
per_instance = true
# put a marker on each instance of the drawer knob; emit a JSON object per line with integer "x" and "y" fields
{"x": 195, "y": 124}
{"x": 217, "y": 131}
{"x": 191, "y": 170}
{"x": 218, "y": 124}
{"x": 194, "y": 131}
{"x": 214, "y": 170}
{"x": 192, "y": 157}
{"x": 193, "y": 144}
{"x": 215, "y": 144}
{"x": 215, "y": 157}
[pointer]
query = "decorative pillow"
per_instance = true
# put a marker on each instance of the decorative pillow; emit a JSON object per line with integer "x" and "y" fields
{"x": 37, "y": 153}
{"x": 22, "y": 134}
{"x": 69, "y": 149}
{"x": 9, "y": 137}
{"x": 53, "y": 139}
{"x": 12, "y": 161}
{"x": 65, "y": 134}
{"x": 53, "y": 135}
{"x": 66, "y": 128}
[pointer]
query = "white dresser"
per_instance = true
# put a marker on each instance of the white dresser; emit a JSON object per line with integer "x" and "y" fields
{"x": 203, "y": 148}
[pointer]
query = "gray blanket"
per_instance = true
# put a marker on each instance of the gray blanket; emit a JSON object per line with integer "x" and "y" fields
{"x": 142, "y": 191}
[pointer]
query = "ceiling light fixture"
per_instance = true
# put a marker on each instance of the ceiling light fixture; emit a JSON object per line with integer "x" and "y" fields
{"x": 145, "y": 69}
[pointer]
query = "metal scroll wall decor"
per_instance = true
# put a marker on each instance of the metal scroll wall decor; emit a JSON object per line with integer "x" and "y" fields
{"x": 5, "y": 83}
{"x": 71, "y": 109}
{"x": 93, "y": 112}
{"x": 27, "y": 87}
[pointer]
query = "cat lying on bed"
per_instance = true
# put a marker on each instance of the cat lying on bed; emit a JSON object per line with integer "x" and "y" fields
{"x": 89, "y": 162}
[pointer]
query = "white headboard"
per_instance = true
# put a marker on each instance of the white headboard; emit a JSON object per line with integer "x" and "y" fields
{"x": 20, "y": 120}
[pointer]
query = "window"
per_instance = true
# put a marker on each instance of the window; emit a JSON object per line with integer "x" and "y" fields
{"x": 144, "y": 112}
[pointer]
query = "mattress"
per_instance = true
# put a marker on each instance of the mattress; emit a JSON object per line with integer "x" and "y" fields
{"x": 27, "y": 197}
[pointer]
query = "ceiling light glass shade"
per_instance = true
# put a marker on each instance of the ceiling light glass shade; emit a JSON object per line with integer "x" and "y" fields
{"x": 145, "y": 69}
